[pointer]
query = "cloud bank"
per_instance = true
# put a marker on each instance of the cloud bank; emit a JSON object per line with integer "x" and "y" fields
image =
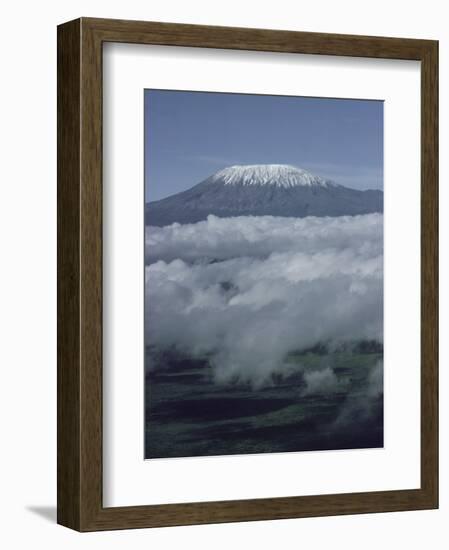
{"x": 247, "y": 291}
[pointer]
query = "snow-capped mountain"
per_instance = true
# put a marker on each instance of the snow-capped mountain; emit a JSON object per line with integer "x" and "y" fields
{"x": 279, "y": 175}
{"x": 260, "y": 190}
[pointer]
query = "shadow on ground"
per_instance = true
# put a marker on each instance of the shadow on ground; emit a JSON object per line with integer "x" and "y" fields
{"x": 46, "y": 512}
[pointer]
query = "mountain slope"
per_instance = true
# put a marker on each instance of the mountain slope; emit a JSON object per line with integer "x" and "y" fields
{"x": 260, "y": 190}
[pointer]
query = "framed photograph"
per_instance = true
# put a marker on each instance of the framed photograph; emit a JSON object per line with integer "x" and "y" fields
{"x": 247, "y": 274}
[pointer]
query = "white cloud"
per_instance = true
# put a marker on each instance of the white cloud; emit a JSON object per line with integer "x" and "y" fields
{"x": 359, "y": 411}
{"x": 376, "y": 380}
{"x": 321, "y": 381}
{"x": 259, "y": 236}
{"x": 248, "y": 290}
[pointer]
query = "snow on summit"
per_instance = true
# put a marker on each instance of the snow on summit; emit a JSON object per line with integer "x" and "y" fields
{"x": 280, "y": 175}
{"x": 262, "y": 190}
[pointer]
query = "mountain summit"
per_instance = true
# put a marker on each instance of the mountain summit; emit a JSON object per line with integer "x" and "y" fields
{"x": 262, "y": 190}
{"x": 280, "y": 175}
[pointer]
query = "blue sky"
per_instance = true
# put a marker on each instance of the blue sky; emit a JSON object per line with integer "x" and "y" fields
{"x": 191, "y": 135}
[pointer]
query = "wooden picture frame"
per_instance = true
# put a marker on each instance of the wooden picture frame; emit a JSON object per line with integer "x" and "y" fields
{"x": 80, "y": 503}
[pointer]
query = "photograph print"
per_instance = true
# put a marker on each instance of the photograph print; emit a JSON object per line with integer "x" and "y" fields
{"x": 263, "y": 274}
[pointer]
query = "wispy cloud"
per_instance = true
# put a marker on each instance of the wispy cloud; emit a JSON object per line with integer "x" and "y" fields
{"x": 359, "y": 177}
{"x": 214, "y": 160}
